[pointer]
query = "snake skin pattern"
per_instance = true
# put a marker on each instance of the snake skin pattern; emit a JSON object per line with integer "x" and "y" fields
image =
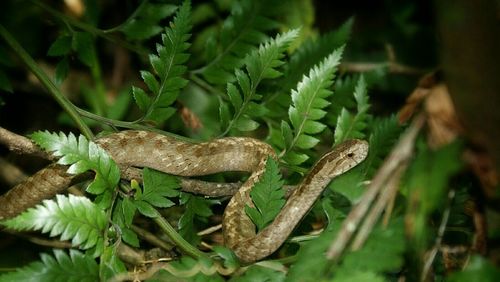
{"x": 169, "y": 155}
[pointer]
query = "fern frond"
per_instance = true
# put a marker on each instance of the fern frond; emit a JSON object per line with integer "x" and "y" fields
{"x": 145, "y": 21}
{"x": 169, "y": 67}
{"x": 197, "y": 209}
{"x": 76, "y": 267}
{"x": 73, "y": 218}
{"x": 352, "y": 126}
{"x": 309, "y": 100}
{"x": 307, "y": 55}
{"x": 260, "y": 64}
{"x": 82, "y": 155}
{"x": 157, "y": 188}
{"x": 240, "y": 34}
{"x": 311, "y": 52}
{"x": 385, "y": 132}
{"x": 267, "y": 196}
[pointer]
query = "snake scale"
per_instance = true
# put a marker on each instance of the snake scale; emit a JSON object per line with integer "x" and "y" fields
{"x": 169, "y": 155}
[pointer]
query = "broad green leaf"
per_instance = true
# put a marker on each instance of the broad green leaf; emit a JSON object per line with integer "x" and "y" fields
{"x": 83, "y": 44}
{"x": 60, "y": 47}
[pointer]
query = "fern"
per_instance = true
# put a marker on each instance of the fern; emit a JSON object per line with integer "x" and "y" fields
{"x": 311, "y": 52}
{"x": 75, "y": 267}
{"x": 349, "y": 126}
{"x": 267, "y": 196}
{"x": 83, "y": 155}
{"x": 157, "y": 188}
{"x": 71, "y": 217}
{"x": 240, "y": 34}
{"x": 260, "y": 64}
{"x": 144, "y": 22}
{"x": 169, "y": 68}
{"x": 309, "y": 100}
{"x": 385, "y": 132}
{"x": 197, "y": 210}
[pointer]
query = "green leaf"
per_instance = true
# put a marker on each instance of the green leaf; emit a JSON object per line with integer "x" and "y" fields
{"x": 478, "y": 269}
{"x": 308, "y": 102}
{"x": 427, "y": 186}
{"x": 5, "y": 82}
{"x": 62, "y": 70}
{"x": 241, "y": 32}
{"x": 83, "y": 155}
{"x": 259, "y": 64}
{"x": 146, "y": 20}
{"x": 261, "y": 273}
{"x": 353, "y": 126}
{"x": 83, "y": 44}
{"x": 73, "y": 218}
{"x": 60, "y": 47}
{"x": 110, "y": 265}
{"x": 169, "y": 67}
{"x": 197, "y": 209}
{"x": 157, "y": 188}
{"x": 267, "y": 196}
{"x": 61, "y": 267}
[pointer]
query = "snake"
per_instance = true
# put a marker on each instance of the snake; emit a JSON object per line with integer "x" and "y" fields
{"x": 139, "y": 148}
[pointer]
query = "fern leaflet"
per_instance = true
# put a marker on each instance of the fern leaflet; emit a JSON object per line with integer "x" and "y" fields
{"x": 197, "y": 209}
{"x": 61, "y": 267}
{"x": 349, "y": 126}
{"x": 169, "y": 68}
{"x": 71, "y": 217}
{"x": 157, "y": 188}
{"x": 260, "y": 64}
{"x": 241, "y": 32}
{"x": 309, "y": 100}
{"x": 267, "y": 196}
{"x": 83, "y": 155}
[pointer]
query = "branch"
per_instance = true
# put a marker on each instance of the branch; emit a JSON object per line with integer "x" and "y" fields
{"x": 401, "y": 154}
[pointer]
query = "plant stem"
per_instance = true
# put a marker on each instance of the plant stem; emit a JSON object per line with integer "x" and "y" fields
{"x": 177, "y": 239}
{"x": 47, "y": 82}
{"x": 90, "y": 29}
{"x": 131, "y": 125}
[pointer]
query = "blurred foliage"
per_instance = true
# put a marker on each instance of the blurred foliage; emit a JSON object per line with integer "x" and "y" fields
{"x": 301, "y": 75}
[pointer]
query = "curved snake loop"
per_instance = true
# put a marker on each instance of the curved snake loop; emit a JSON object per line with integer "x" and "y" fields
{"x": 169, "y": 155}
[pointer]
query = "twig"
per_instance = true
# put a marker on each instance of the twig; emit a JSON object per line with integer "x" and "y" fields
{"x": 392, "y": 67}
{"x": 400, "y": 154}
{"x": 385, "y": 196}
{"x": 209, "y": 230}
{"x": 151, "y": 238}
{"x": 10, "y": 173}
{"x": 21, "y": 145}
{"x": 439, "y": 238}
{"x": 47, "y": 82}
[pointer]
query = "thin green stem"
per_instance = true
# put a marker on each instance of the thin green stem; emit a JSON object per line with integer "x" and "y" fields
{"x": 131, "y": 125}
{"x": 47, "y": 82}
{"x": 128, "y": 20}
{"x": 90, "y": 29}
{"x": 177, "y": 239}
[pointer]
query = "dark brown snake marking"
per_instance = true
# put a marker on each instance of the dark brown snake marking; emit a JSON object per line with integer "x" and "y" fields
{"x": 147, "y": 149}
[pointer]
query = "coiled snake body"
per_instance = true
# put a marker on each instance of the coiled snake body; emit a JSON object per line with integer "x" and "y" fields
{"x": 147, "y": 149}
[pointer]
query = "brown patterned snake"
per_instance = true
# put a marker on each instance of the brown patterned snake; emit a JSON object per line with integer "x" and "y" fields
{"x": 147, "y": 149}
